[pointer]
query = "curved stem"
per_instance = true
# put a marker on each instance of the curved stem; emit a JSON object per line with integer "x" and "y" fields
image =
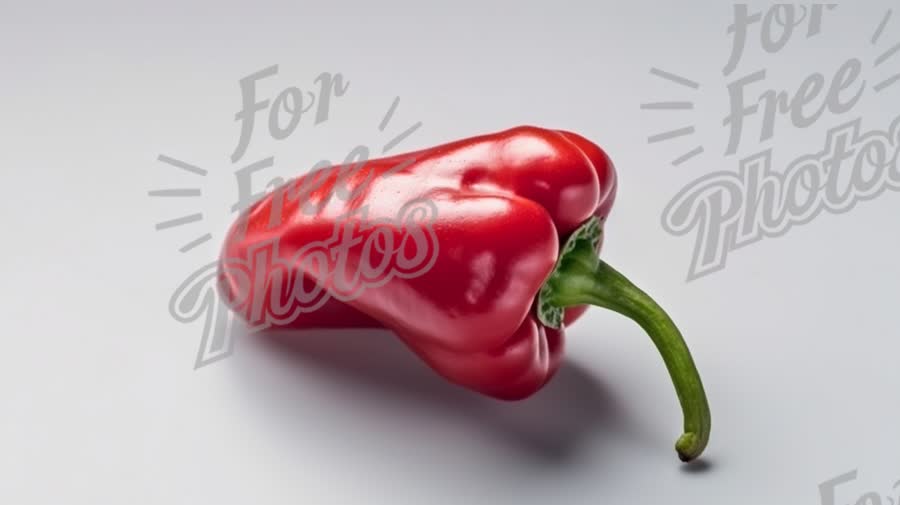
{"x": 582, "y": 278}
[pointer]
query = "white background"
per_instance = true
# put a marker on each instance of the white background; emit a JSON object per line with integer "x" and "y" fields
{"x": 796, "y": 338}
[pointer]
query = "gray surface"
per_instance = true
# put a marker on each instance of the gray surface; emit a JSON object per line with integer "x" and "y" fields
{"x": 795, "y": 337}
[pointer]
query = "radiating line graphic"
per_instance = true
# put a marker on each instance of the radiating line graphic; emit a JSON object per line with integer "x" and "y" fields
{"x": 196, "y": 242}
{"x": 681, "y": 132}
{"x": 882, "y": 26}
{"x": 674, "y": 105}
{"x": 183, "y": 192}
{"x": 688, "y": 156}
{"x": 400, "y": 138}
{"x": 668, "y": 106}
{"x": 887, "y": 55}
{"x": 881, "y": 86}
{"x": 389, "y": 115}
{"x": 675, "y": 78}
{"x": 180, "y": 221}
{"x": 182, "y": 165}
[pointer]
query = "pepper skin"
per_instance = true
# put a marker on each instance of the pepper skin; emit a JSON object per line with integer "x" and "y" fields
{"x": 505, "y": 204}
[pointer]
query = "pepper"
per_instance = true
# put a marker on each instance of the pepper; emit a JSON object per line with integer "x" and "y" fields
{"x": 517, "y": 234}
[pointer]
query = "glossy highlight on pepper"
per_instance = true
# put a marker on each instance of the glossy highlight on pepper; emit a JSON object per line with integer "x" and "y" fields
{"x": 518, "y": 224}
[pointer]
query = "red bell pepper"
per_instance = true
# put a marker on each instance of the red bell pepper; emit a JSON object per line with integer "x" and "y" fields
{"x": 517, "y": 232}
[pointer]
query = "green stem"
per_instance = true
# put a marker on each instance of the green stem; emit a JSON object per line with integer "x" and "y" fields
{"x": 582, "y": 278}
